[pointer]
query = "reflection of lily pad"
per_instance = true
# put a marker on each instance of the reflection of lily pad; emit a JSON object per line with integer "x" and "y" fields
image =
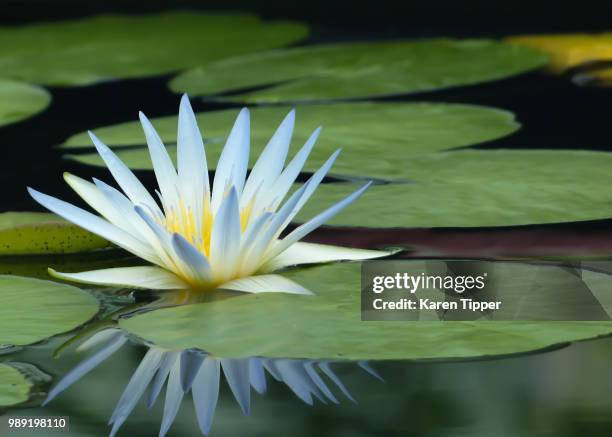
{"x": 378, "y": 140}
{"x": 14, "y": 387}
{"x": 481, "y": 188}
{"x": 20, "y": 100}
{"x": 43, "y": 233}
{"x": 33, "y": 310}
{"x": 328, "y": 325}
{"x": 94, "y": 49}
{"x": 359, "y": 69}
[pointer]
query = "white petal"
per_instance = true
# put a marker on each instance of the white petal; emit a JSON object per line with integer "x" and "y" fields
{"x": 303, "y": 230}
{"x": 95, "y": 224}
{"x": 129, "y": 183}
{"x": 225, "y": 239}
{"x": 191, "y": 161}
{"x": 310, "y": 253}
{"x": 162, "y": 164}
{"x": 234, "y": 159}
{"x": 194, "y": 260}
{"x": 283, "y": 184}
{"x": 145, "y": 277}
{"x": 271, "y": 161}
{"x": 265, "y": 284}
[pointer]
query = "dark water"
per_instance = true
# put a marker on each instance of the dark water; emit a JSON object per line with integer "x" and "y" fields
{"x": 566, "y": 392}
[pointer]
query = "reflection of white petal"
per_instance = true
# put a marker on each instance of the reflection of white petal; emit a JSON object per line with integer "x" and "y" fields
{"x": 146, "y": 277}
{"x": 310, "y": 253}
{"x": 135, "y": 388}
{"x": 257, "y": 375}
{"x": 166, "y": 364}
{"x": 316, "y": 378}
{"x": 191, "y": 361}
{"x": 296, "y": 378}
{"x": 265, "y": 284}
{"x": 205, "y": 393}
{"x": 237, "y": 375}
{"x": 174, "y": 397}
{"x": 97, "y": 339}
{"x": 86, "y": 366}
{"x": 324, "y": 366}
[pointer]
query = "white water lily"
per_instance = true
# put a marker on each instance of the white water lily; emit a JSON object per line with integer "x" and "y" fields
{"x": 227, "y": 236}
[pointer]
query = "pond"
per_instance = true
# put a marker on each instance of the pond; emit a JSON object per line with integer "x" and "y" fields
{"x": 195, "y": 309}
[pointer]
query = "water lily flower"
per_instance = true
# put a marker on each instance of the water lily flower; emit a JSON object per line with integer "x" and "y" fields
{"x": 201, "y": 237}
{"x": 195, "y": 371}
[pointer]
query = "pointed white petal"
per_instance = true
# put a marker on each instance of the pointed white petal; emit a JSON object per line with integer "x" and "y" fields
{"x": 265, "y": 284}
{"x": 234, "y": 159}
{"x": 174, "y": 397}
{"x": 303, "y": 230}
{"x": 194, "y": 260}
{"x": 191, "y": 162}
{"x": 283, "y": 184}
{"x": 237, "y": 375}
{"x": 144, "y": 277}
{"x": 129, "y": 183}
{"x": 95, "y": 224}
{"x": 225, "y": 239}
{"x": 86, "y": 366}
{"x": 162, "y": 164}
{"x": 311, "y": 253}
{"x": 271, "y": 161}
{"x": 205, "y": 392}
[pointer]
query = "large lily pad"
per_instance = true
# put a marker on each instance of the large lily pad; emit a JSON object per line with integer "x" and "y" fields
{"x": 480, "y": 188}
{"x": 101, "y": 48}
{"x": 19, "y": 100}
{"x": 14, "y": 386}
{"x": 29, "y": 233}
{"x": 378, "y": 140}
{"x": 33, "y": 310}
{"x": 328, "y": 325}
{"x": 359, "y": 70}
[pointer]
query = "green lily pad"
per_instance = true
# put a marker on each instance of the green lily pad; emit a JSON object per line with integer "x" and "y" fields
{"x": 480, "y": 188}
{"x": 353, "y": 70}
{"x": 33, "y": 310}
{"x": 107, "y": 47}
{"x": 328, "y": 325}
{"x": 14, "y": 386}
{"x": 378, "y": 139}
{"x": 19, "y": 100}
{"x": 30, "y": 233}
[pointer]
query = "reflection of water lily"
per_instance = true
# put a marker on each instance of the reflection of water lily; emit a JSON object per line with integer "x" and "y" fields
{"x": 195, "y": 371}
{"x": 201, "y": 237}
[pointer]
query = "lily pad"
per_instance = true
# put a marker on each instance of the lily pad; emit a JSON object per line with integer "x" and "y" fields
{"x": 14, "y": 386}
{"x": 30, "y": 233}
{"x": 33, "y": 310}
{"x": 352, "y": 70}
{"x": 378, "y": 139}
{"x": 569, "y": 50}
{"x": 328, "y": 325}
{"x": 480, "y": 188}
{"x": 19, "y": 100}
{"x": 107, "y": 47}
